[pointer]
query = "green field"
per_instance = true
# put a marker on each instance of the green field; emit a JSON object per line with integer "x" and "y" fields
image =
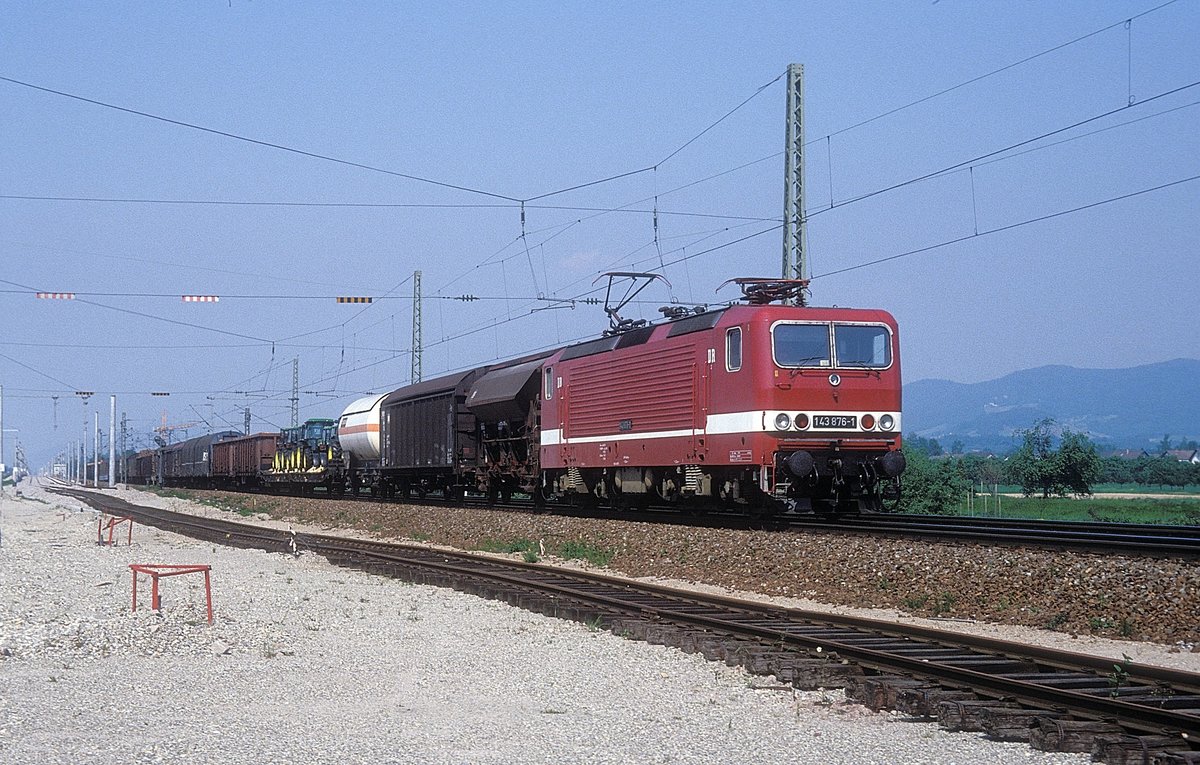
{"x": 1184, "y": 510}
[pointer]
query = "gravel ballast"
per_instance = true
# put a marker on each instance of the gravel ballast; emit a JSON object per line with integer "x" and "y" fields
{"x": 1071, "y": 594}
{"x": 307, "y": 662}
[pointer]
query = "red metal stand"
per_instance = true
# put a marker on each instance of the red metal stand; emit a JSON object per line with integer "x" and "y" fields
{"x": 156, "y": 570}
{"x": 113, "y": 522}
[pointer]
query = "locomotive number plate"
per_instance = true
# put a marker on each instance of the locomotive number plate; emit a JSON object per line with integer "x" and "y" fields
{"x": 835, "y": 421}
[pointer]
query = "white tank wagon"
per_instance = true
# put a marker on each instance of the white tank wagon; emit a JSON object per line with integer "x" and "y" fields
{"x": 358, "y": 434}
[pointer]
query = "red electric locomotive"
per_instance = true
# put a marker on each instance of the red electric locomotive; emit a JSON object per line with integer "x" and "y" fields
{"x": 760, "y": 404}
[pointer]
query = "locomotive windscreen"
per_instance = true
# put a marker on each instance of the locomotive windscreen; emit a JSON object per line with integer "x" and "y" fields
{"x": 862, "y": 345}
{"x": 801, "y": 345}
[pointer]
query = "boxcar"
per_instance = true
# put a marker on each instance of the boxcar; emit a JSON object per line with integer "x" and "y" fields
{"x": 240, "y": 461}
{"x": 428, "y": 437}
{"x": 141, "y": 468}
{"x": 189, "y": 463}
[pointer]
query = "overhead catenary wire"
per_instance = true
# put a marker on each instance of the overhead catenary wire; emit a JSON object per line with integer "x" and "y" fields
{"x": 158, "y": 262}
{"x": 370, "y": 205}
{"x": 1025, "y": 142}
{"x": 36, "y": 371}
{"x": 1010, "y": 226}
{"x": 984, "y": 159}
{"x": 118, "y": 309}
{"x": 992, "y": 73}
{"x": 363, "y": 165}
{"x": 255, "y": 141}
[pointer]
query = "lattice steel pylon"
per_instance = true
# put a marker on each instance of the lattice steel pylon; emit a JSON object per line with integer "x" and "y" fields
{"x": 795, "y": 230}
{"x": 295, "y": 399}
{"x": 416, "y": 329}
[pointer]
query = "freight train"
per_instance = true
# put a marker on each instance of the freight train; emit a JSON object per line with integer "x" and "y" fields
{"x": 761, "y": 405}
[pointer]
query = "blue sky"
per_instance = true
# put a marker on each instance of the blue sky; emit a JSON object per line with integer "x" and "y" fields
{"x": 515, "y": 101}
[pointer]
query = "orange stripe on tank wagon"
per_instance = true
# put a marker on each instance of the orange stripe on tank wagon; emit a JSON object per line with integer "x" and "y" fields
{"x": 368, "y": 428}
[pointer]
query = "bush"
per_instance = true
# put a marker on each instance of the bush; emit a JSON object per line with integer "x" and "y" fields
{"x": 931, "y": 486}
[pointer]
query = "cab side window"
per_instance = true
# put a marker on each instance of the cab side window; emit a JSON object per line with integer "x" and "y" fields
{"x": 733, "y": 349}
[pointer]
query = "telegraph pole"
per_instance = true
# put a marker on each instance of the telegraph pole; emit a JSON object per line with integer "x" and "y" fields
{"x": 795, "y": 229}
{"x": 112, "y": 441}
{"x": 96, "y": 448}
{"x": 416, "y": 333}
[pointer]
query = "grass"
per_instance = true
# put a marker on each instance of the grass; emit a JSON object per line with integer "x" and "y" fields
{"x": 163, "y": 491}
{"x": 1185, "y": 510}
{"x": 229, "y": 504}
{"x": 530, "y": 549}
{"x": 944, "y": 603}
{"x": 580, "y": 550}
{"x": 1117, "y": 488}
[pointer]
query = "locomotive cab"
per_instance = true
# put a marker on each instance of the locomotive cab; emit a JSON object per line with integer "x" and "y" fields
{"x": 833, "y": 407}
{"x": 761, "y": 405}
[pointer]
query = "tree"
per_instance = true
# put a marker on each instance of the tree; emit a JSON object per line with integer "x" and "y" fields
{"x": 1076, "y": 464}
{"x": 1153, "y": 471}
{"x": 1037, "y": 466}
{"x": 924, "y": 445}
{"x": 1116, "y": 470}
{"x": 1031, "y": 465}
{"x": 980, "y": 469}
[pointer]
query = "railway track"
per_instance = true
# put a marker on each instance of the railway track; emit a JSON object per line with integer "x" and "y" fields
{"x": 1056, "y": 700}
{"x": 1180, "y": 542}
{"x": 1140, "y": 539}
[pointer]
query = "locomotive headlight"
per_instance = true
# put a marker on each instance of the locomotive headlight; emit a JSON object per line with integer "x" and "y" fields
{"x": 886, "y": 422}
{"x": 801, "y": 421}
{"x": 868, "y": 421}
{"x": 782, "y": 421}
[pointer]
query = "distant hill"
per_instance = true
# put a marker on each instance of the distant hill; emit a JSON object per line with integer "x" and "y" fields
{"x": 1119, "y": 408}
